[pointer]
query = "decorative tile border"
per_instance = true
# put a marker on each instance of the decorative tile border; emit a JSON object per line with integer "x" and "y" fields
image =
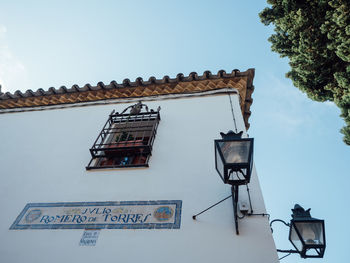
{"x": 100, "y": 215}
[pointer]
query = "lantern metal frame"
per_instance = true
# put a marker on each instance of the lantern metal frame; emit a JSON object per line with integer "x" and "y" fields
{"x": 243, "y": 168}
{"x": 300, "y": 215}
{"x": 303, "y": 216}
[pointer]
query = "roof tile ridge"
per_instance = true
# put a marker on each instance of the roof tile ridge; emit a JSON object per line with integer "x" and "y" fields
{"x": 166, "y": 79}
{"x": 206, "y": 75}
{"x": 53, "y": 90}
{"x": 28, "y": 93}
{"x": 193, "y": 76}
{"x": 139, "y": 81}
{"x": 100, "y": 85}
{"x": 114, "y": 85}
{"x": 62, "y": 90}
{"x": 76, "y": 88}
{"x": 19, "y": 94}
{"x": 126, "y": 83}
{"x": 41, "y": 92}
{"x": 8, "y": 95}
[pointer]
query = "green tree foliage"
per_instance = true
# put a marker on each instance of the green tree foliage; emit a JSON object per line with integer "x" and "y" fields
{"x": 315, "y": 36}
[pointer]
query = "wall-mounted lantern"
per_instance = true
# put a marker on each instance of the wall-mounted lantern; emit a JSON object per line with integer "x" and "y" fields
{"x": 234, "y": 158}
{"x": 234, "y": 163}
{"x": 306, "y": 234}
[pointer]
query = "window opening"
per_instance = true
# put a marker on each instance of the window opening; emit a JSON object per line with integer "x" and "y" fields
{"x": 126, "y": 139}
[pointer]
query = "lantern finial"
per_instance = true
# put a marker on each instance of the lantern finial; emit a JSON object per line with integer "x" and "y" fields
{"x": 300, "y": 212}
{"x": 231, "y": 135}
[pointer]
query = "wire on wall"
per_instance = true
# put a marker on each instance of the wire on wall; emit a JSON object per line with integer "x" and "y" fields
{"x": 233, "y": 115}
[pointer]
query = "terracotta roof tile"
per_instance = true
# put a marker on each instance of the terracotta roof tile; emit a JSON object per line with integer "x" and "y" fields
{"x": 242, "y": 81}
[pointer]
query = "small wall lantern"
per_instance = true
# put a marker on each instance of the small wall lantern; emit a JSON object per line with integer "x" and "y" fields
{"x": 234, "y": 158}
{"x": 234, "y": 163}
{"x": 306, "y": 234}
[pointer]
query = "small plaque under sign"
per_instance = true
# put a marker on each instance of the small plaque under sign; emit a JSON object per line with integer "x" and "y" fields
{"x": 89, "y": 237}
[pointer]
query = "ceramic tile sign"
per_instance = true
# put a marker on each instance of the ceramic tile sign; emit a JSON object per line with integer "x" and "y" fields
{"x": 89, "y": 237}
{"x": 100, "y": 215}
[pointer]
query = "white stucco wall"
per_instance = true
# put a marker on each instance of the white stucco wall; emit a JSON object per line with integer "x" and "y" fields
{"x": 43, "y": 157}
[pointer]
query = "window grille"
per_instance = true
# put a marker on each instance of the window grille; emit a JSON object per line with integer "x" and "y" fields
{"x": 126, "y": 139}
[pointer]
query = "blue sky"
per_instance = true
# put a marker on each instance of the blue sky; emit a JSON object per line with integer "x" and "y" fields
{"x": 299, "y": 153}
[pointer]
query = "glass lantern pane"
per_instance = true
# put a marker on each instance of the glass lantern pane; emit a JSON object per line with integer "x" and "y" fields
{"x": 313, "y": 252}
{"x": 219, "y": 164}
{"x": 311, "y": 232}
{"x": 235, "y": 151}
{"x": 294, "y": 238}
